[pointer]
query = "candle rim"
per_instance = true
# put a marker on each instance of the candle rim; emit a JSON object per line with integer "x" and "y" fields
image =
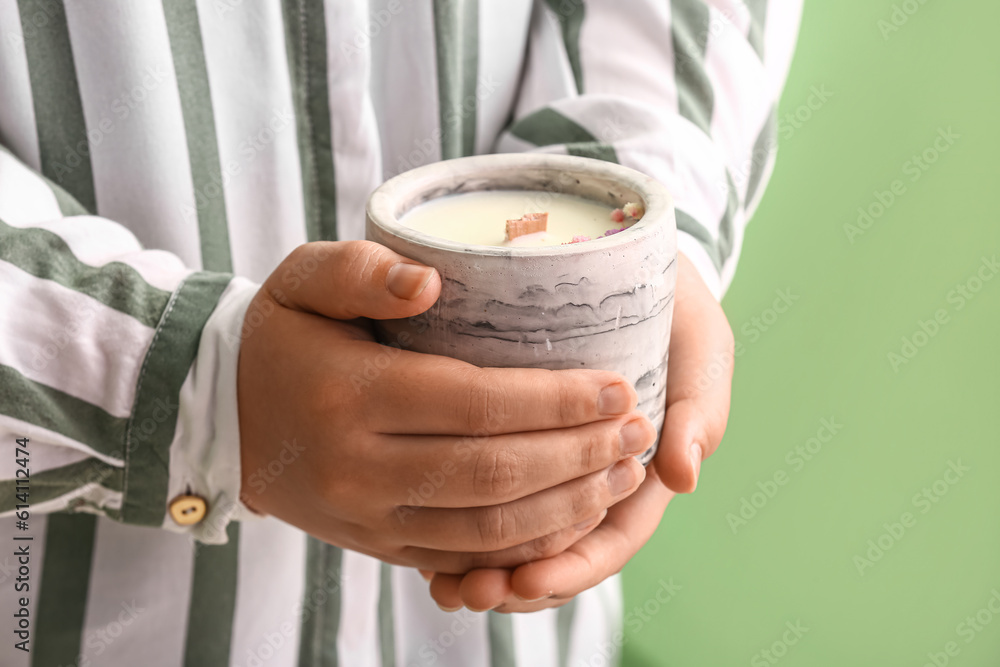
{"x": 444, "y": 178}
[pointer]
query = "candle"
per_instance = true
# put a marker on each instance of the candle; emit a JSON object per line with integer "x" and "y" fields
{"x": 605, "y": 303}
{"x": 480, "y": 218}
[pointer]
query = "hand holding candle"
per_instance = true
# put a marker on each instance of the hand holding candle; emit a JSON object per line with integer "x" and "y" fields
{"x": 698, "y": 392}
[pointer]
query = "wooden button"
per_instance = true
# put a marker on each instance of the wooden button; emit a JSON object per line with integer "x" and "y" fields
{"x": 187, "y": 510}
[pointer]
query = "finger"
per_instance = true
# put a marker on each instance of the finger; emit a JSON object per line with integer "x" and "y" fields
{"x": 458, "y": 562}
{"x": 603, "y": 552}
{"x": 350, "y": 279}
{"x": 452, "y": 592}
{"x": 489, "y": 588}
{"x": 445, "y": 589}
{"x": 699, "y": 382}
{"x": 497, "y": 527}
{"x": 449, "y": 471}
{"x": 470, "y": 401}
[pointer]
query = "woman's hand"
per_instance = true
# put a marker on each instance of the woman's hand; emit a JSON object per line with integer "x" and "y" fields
{"x": 417, "y": 459}
{"x": 699, "y": 380}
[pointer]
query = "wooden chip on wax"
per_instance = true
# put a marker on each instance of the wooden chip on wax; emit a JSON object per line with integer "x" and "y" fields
{"x": 529, "y": 223}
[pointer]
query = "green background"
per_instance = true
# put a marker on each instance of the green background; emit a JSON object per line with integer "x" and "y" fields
{"x": 828, "y": 357}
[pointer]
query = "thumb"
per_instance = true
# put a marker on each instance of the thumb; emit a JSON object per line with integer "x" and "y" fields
{"x": 699, "y": 381}
{"x": 348, "y": 279}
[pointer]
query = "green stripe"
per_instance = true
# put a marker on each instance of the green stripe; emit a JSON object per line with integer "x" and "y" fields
{"x": 47, "y": 407}
{"x": 62, "y": 595}
{"x": 690, "y": 27}
{"x": 762, "y": 149}
{"x": 306, "y": 43}
{"x": 154, "y": 415}
{"x": 456, "y": 35}
{"x": 758, "y": 16}
{"x": 547, "y": 126}
{"x": 62, "y": 128}
{"x": 386, "y": 626}
{"x": 597, "y": 151}
{"x": 564, "y": 630}
{"x": 45, "y": 255}
{"x": 321, "y": 605}
{"x": 720, "y": 249}
{"x": 686, "y": 223}
{"x": 188, "y": 51}
{"x": 570, "y": 14}
{"x": 727, "y": 229}
{"x": 500, "y": 629}
{"x": 50, "y": 484}
{"x": 213, "y": 602}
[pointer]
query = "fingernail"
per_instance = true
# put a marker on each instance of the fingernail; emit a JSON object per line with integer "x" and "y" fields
{"x": 621, "y": 478}
{"x": 448, "y": 609}
{"x": 614, "y": 399}
{"x": 426, "y": 575}
{"x": 544, "y": 597}
{"x": 696, "y": 455}
{"x": 634, "y": 436}
{"x": 407, "y": 281}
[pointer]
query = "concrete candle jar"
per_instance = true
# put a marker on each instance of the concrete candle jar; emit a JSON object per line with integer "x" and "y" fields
{"x": 605, "y": 303}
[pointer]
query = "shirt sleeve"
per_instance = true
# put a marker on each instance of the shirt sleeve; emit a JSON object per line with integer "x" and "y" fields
{"x": 685, "y": 91}
{"x": 118, "y": 365}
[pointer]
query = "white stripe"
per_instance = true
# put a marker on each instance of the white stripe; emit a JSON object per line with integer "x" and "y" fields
{"x": 535, "y": 640}
{"x": 358, "y": 637}
{"x": 15, "y": 428}
{"x": 612, "y": 44}
{"x": 548, "y": 75}
{"x": 781, "y": 31}
{"x": 270, "y": 584}
{"x": 502, "y": 30}
{"x": 147, "y": 571}
{"x": 735, "y": 12}
{"x": 8, "y": 571}
{"x": 688, "y": 163}
{"x": 411, "y": 90}
{"x": 139, "y": 156}
{"x": 357, "y": 160}
{"x": 598, "y": 616}
{"x": 25, "y": 198}
{"x": 77, "y": 344}
{"x": 426, "y": 636}
{"x": 17, "y": 113}
{"x": 255, "y": 124}
{"x": 741, "y": 101}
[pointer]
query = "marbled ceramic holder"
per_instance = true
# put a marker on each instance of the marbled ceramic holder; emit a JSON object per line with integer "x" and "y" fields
{"x": 604, "y": 304}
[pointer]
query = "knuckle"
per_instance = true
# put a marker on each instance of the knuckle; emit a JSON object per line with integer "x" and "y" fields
{"x": 495, "y": 474}
{"x": 567, "y": 403}
{"x": 496, "y": 527}
{"x": 362, "y": 260}
{"x": 599, "y": 448}
{"x": 592, "y": 498}
{"x": 487, "y": 404}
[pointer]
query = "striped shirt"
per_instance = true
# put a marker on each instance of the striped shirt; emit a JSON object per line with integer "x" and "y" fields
{"x": 157, "y": 161}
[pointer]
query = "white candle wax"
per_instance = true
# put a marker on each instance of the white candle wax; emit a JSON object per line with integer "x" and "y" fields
{"x": 480, "y": 218}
